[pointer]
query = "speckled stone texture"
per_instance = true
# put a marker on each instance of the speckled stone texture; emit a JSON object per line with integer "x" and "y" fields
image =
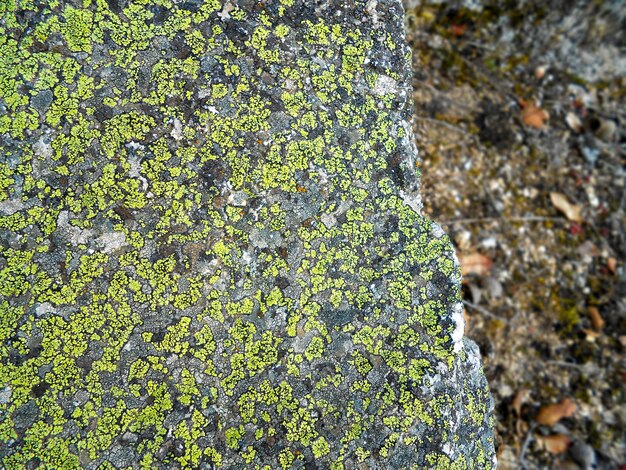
{"x": 212, "y": 252}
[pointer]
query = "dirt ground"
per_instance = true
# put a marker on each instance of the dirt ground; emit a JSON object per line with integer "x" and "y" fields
{"x": 521, "y": 126}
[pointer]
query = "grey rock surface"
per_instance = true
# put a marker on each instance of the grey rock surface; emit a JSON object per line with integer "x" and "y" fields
{"x": 212, "y": 251}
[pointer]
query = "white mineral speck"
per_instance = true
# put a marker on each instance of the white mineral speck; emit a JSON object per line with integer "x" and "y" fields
{"x": 44, "y": 308}
{"x": 459, "y": 330}
{"x": 77, "y": 236}
{"x": 112, "y": 241}
{"x": 385, "y": 85}
{"x": 177, "y": 132}
{"x": 329, "y": 220}
{"x": 5, "y": 395}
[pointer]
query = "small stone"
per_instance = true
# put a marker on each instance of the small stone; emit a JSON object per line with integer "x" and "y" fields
{"x": 584, "y": 455}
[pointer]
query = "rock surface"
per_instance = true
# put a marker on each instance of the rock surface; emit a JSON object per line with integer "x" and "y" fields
{"x": 212, "y": 252}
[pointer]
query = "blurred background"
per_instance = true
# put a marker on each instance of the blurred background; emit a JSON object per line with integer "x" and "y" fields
{"x": 520, "y": 122}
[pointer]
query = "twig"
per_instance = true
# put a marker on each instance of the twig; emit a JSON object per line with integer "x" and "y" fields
{"x": 480, "y": 45}
{"x": 446, "y": 124}
{"x": 530, "y": 218}
{"x": 565, "y": 364}
{"x": 522, "y": 454}
{"x": 484, "y": 311}
{"x": 441, "y": 94}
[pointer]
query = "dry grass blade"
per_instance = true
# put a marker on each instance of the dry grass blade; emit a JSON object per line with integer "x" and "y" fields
{"x": 571, "y": 211}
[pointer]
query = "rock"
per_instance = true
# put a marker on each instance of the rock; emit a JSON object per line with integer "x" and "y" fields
{"x": 221, "y": 256}
{"x": 584, "y": 455}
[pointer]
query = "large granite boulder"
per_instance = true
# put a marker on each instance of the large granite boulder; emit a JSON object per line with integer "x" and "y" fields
{"x": 211, "y": 247}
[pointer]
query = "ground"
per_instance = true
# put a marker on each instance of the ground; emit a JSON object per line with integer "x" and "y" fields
{"x": 520, "y": 124}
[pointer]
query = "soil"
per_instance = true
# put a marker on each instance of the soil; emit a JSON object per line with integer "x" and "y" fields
{"x": 519, "y": 104}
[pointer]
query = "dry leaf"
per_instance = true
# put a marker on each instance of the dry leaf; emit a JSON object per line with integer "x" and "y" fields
{"x": 574, "y": 122}
{"x": 475, "y": 263}
{"x": 591, "y": 335}
{"x": 475, "y": 291}
{"x": 588, "y": 249}
{"x": 611, "y": 264}
{"x": 540, "y": 72}
{"x": 532, "y": 115}
{"x": 463, "y": 240}
{"x": 519, "y": 399}
{"x": 571, "y": 211}
{"x": 459, "y": 29}
{"x": 549, "y": 415}
{"x": 556, "y": 444}
{"x": 596, "y": 319}
{"x": 467, "y": 319}
{"x": 494, "y": 287}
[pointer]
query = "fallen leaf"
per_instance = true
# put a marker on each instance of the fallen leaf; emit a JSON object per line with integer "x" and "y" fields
{"x": 549, "y": 415}
{"x": 463, "y": 240}
{"x": 575, "y": 229}
{"x": 611, "y": 264}
{"x": 574, "y": 122}
{"x": 532, "y": 115}
{"x": 475, "y": 291}
{"x": 556, "y": 444}
{"x": 519, "y": 399}
{"x": 568, "y": 465}
{"x": 588, "y": 249}
{"x": 540, "y": 72}
{"x": 571, "y": 211}
{"x": 591, "y": 335}
{"x": 494, "y": 287}
{"x": 475, "y": 263}
{"x": 459, "y": 29}
{"x": 596, "y": 319}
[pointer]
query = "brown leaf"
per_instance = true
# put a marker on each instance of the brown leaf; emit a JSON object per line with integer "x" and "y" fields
{"x": 611, "y": 264}
{"x": 519, "y": 399}
{"x": 591, "y": 335}
{"x": 549, "y": 415}
{"x": 475, "y": 263}
{"x": 556, "y": 444}
{"x": 459, "y": 29}
{"x": 571, "y": 211}
{"x": 532, "y": 115}
{"x": 467, "y": 319}
{"x": 596, "y": 319}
